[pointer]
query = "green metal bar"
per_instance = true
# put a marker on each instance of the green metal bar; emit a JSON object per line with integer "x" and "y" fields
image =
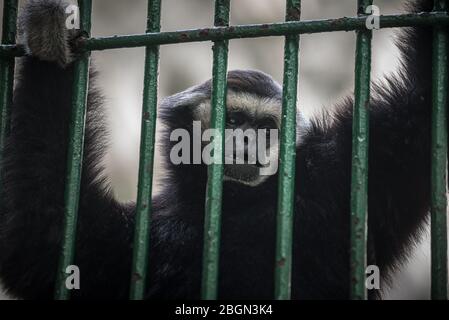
{"x": 262, "y": 30}
{"x": 286, "y": 189}
{"x": 75, "y": 158}
{"x": 212, "y": 223}
{"x": 7, "y": 70}
{"x": 148, "y": 133}
{"x": 250, "y": 31}
{"x": 360, "y": 143}
{"x": 439, "y": 161}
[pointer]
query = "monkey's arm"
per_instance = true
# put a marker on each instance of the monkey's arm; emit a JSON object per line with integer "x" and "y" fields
{"x": 399, "y": 152}
{"x": 34, "y": 174}
{"x": 399, "y": 174}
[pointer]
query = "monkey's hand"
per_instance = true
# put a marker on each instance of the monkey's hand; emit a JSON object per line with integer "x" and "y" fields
{"x": 45, "y": 31}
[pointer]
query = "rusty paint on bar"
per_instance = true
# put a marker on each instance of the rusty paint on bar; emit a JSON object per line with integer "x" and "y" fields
{"x": 439, "y": 161}
{"x": 74, "y": 159}
{"x": 148, "y": 133}
{"x": 360, "y": 143}
{"x": 212, "y": 222}
{"x": 287, "y": 161}
{"x": 262, "y": 30}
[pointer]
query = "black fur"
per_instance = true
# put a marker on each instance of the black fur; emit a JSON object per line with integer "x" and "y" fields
{"x": 33, "y": 184}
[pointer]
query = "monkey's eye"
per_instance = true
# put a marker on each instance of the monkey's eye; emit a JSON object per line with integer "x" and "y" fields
{"x": 235, "y": 119}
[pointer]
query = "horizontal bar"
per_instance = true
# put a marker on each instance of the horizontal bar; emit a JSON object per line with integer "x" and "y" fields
{"x": 212, "y": 222}
{"x": 248, "y": 31}
{"x": 147, "y": 141}
{"x": 74, "y": 158}
{"x": 439, "y": 162}
{"x": 287, "y": 156}
{"x": 360, "y": 144}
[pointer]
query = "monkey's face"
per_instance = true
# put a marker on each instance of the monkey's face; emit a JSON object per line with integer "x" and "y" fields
{"x": 251, "y": 136}
{"x": 253, "y": 120}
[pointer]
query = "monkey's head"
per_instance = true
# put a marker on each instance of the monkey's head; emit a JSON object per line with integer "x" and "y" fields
{"x": 253, "y": 123}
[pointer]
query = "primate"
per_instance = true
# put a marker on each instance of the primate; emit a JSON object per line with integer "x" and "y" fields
{"x": 33, "y": 176}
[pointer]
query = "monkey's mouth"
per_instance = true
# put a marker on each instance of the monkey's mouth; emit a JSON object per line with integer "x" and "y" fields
{"x": 242, "y": 172}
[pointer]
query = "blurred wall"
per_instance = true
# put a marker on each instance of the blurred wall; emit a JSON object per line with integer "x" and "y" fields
{"x": 326, "y": 75}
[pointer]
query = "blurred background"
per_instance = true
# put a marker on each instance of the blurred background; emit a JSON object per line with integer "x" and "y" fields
{"x": 326, "y": 76}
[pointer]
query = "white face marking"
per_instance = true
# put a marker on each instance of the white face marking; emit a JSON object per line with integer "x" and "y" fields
{"x": 255, "y": 107}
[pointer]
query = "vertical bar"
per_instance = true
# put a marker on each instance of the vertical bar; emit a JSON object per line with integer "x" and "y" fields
{"x": 7, "y": 70}
{"x": 74, "y": 157}
{"x": 360, "y": 143}
{"x": 148, "y": 133}
{"x": 287, "y": 170}
{"x": 212, "y": 223}
{"x": 439, "y": 160}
